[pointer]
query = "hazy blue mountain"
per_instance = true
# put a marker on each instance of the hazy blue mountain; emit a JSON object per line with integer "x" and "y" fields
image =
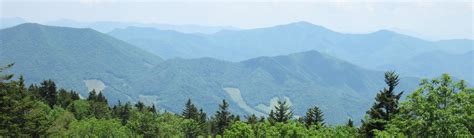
{"x": 74, "y": 58}
{"x": 373, "y": 50}
{"x": 456, "y": 46}
{"x": 165, "y": 43}
{"x": 106, "y": 26}
{"x": 435, "y": 63}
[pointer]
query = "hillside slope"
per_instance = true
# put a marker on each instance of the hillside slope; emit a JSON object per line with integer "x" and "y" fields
{"x": 341, "y": 89}
{"x": 74, "y": 58}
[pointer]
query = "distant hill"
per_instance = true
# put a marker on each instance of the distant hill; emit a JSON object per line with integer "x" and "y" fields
{"x": 340, "y": 89}
{"x": 375, "y": 50}
{"x": 106, "y": 26}
{"x": 74, "y": 58}
{"x": 435, "y": 63}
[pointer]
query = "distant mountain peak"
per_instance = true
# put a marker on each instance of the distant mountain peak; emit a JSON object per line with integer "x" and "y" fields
{"x": 29, "y": 24}
{"x": 384, "y": 31}
{"x": 304, "y": 24}
{"x": 37, "y": 25}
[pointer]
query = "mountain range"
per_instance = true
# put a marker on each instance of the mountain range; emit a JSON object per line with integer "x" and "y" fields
{"x": 381, "y": 50}
{"x": 107, "y": 26}
{"x": 301, "y": 63}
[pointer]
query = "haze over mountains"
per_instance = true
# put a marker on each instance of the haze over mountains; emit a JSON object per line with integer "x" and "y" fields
{"x": 301, "y": 62}
{"x": 107, "y": 26}
{"x": 381, "y": 50}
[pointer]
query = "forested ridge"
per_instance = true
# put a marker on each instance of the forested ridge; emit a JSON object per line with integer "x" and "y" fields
{"x": 439, "y": 107}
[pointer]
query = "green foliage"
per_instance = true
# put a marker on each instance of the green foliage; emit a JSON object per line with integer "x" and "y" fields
{"x": 350, "y": 123}
{"x": 36, "y": 120}
{"x": 264, "y": 129}
{"x": 291, "y": 129}
{"x": 80, "y": 108}
{"x": 223, "y": 118}
{"x": 143, "y": 123}
{"x": 98, "y": 127}
{"x": 338, "y": 131}
{"x": 190, "y": 111}
{"x": 170, "y": 125}
{"x": 65, "y": 98}
{"x": 314, "y": 116}
{"x": 252, "y": 119}
{"x": 4, "y": 77}
{"x": 385, "y": 106}
{"x": 239, "y": 129}
{"x": 47, "y": 91}
{"x": 440, "y": 107}
{"x": 190, "y": 128}
{"x": 60, "y": 120}
{"x": 282, "y": 112}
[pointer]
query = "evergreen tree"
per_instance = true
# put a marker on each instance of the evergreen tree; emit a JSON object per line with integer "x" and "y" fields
{"x": 48, "y": 92}
{"x": 202, "y": 122}
{"x": 125, "y": 113}
{"x": 74, "y": 95}
{"x": 350, "y": 123}
{"x": 4, "y": 77}
{"x": 282, "y": 112}
{"x": 98, "y": 105}
{"x": 252, "y": 119}
{"x": 314, "y": 116}
{"x": 140, "y": 106}
{"x": 385, "y": 106}
{"x": 64, "y": 98}
{"x": 92, "y": 95}
{"x": 222, "y": 118}
{"x": 190, "y": 111}
{"x": 101, "y": 98}
{"x": 152, "y": 109}
{"x": 21, "y": 85}
{"x": 10, "y": 106}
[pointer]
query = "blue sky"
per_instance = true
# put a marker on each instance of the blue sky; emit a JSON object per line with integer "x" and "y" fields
{"x": 428, "y": 19}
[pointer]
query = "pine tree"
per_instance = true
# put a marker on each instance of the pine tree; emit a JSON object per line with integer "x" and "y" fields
{"x": 350, "y": 123}
{"x": 125, "y": 113}
{"x": 152, "y": 109}
{"x": 98, "y": 105}
{"x": 21, "y": 85}
{"x": 140, "y": 106}
{"x": 222, "y": 118}
{"x": 101, "y": 98}
{"x": 74, "y": 95}
{"x": 314, "y": 116}
{"x": 190, "y": 111}
{"x": 48, "y": 92}
{"x": 4, "y": 77}
{"x": 92, "y": 95}
{"x": 64, "y": 98}
{"x": 202, "y": 122}
{"x": 202, "y": 116}
{"x": 252, "y": 119}
{"x": 385, "y": 106}
{"x": 282, "y": 112}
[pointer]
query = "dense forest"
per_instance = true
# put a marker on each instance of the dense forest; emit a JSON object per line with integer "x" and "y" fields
{"x": 439, "y": 107}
